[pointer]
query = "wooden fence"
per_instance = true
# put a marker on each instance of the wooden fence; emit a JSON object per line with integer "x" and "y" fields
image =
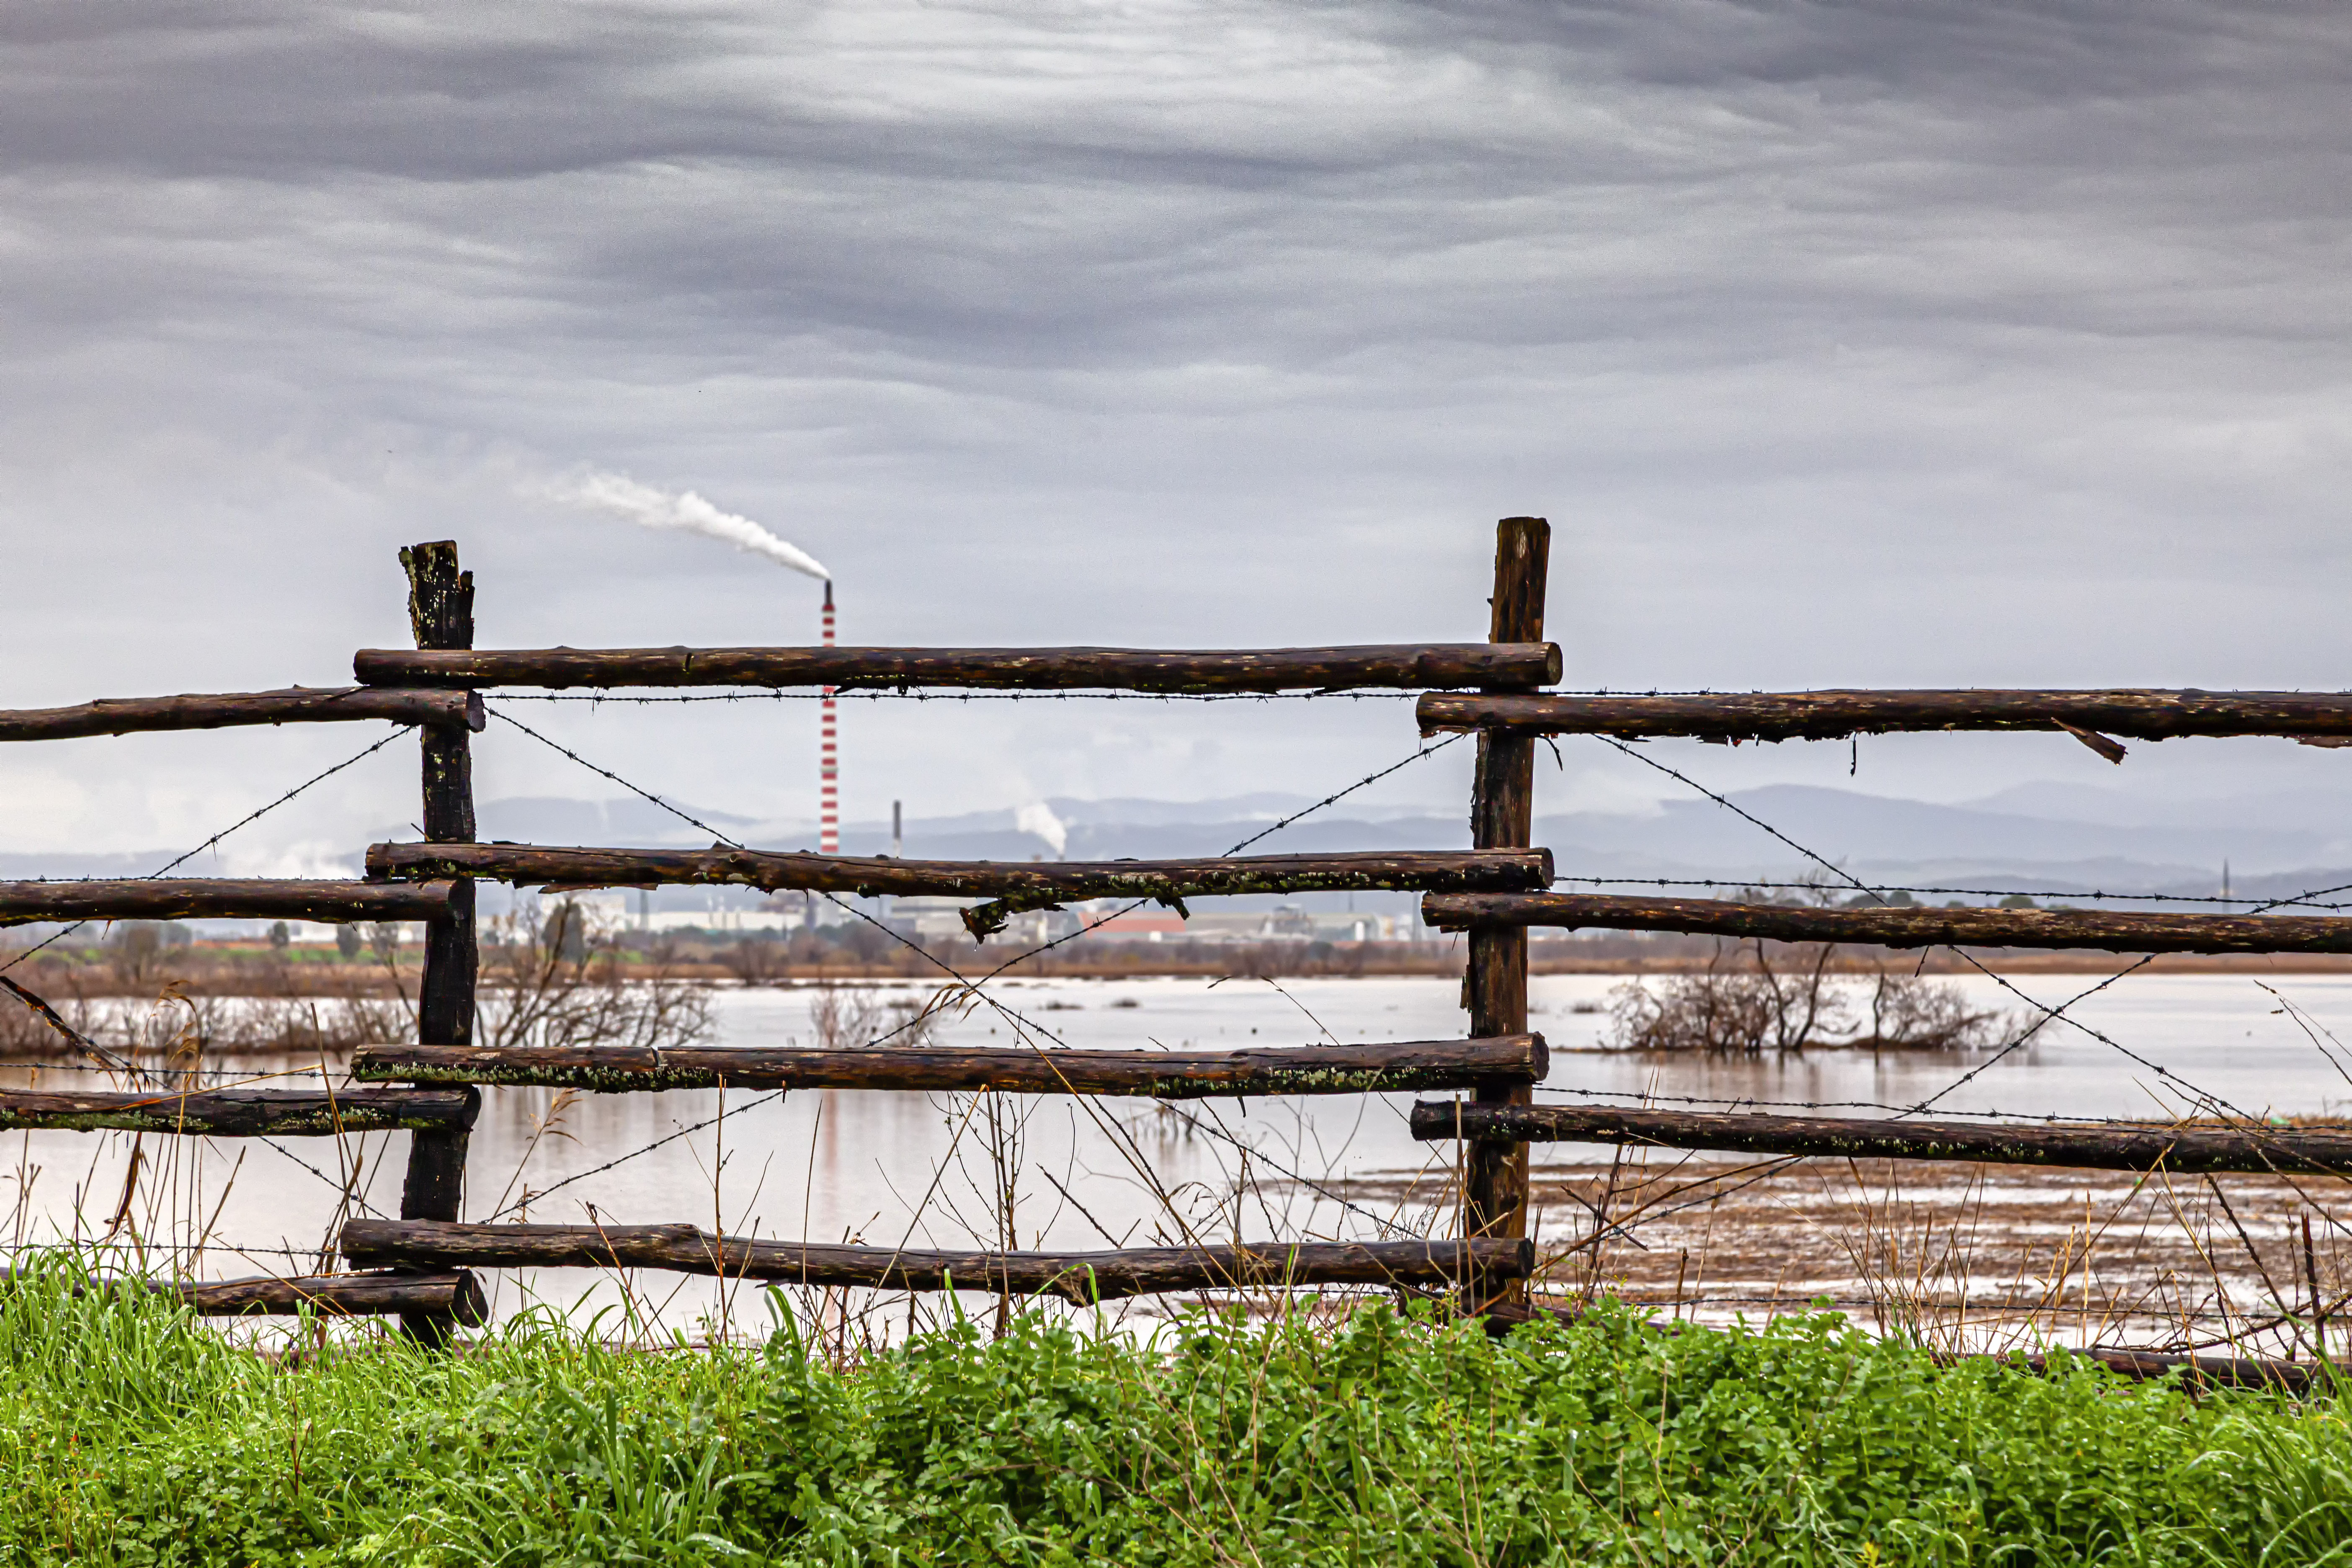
{"x": 2320, "y": 719}
{"x": 417, "y": 1266}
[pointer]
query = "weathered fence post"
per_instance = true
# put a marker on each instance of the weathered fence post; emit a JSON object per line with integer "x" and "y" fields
{"x": 1502, "y": 801}
{"x": 441, "y": 614}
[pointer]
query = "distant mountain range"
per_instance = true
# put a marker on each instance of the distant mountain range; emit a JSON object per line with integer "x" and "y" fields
{"x": 2041, "y": 836}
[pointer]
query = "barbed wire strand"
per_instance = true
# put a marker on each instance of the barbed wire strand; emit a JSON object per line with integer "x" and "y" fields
{"x": 137, "y": 1072}
{"x": 598, "y": 699}
{"x": 1010, "y": 1014}
{"x": 2309, "y": 900}
{"x": 2049, "y": 1014}
{"x": 532, "y": 1197}
{"x": 1333, "y": 799}
{"x": 870, "y": 695}
{"x": 677, "y": 812}
{"x": 1258, "y": 836}
{"x": 1735, "y": 1102}
{"x": 219, "y": 1076}
{"x": 1022, "y": 1021}
{"x": 245, "y": 821}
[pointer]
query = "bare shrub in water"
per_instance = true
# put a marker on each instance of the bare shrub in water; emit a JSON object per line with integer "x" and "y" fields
{"x": 192, "y": 1027}
{"x": 557, "y": 982}
{"x": 1910, "y": 1014}
{"x": 1752, "y": 998}
{"x": 846, "y": 1017}
{"x": 546, "y": 982}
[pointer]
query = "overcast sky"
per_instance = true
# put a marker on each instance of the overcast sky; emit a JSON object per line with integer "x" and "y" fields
{"x": 1843, "y": 343}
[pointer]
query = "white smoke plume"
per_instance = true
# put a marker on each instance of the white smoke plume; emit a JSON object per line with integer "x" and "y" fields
{"x": 1040, "y": 821}
{"x": 624, "y": 496}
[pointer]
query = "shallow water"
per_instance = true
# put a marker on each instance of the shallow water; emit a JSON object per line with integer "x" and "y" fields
{"x": 893, "y": 1168}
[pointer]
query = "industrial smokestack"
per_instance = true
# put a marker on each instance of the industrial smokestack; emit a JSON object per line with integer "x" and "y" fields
{"x": 621, "y": 496}
{"x": 898, "y": 835}
{"x": 828, "y": 830}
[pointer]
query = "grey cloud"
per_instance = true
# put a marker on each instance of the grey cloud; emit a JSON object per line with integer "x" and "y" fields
{"x": 1845, "y": 341}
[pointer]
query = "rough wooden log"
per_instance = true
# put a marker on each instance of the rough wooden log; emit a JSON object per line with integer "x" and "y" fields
{"x": 2213, "y": 1371}
{"x": 1408, "y": 666}
{"x": 2283, "y": 1151}
{"x": 454, "y": 1296}
{"x": 1018, "y": 885}
{"x": 1171, "y": 882}
{"x": 2111, "y": 931}
{"x": 296, "y": 705}
{"x": 2218, "y": 1371}
{"x": 1494, "y": 983}
{"x": 2318, "y": 716}
{"x": 441, "y": 616}
{"x": 1386, "y": 1068}
{"x": 223, "y": 898}
{"x": 1080, "y": 1277}
{"x": 240, "y": 1112}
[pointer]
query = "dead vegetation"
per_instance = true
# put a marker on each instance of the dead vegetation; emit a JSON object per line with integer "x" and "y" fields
{"x": 1964, "y": 1258}
{"x": 1756, "y": 996}
{"x": 547, "y": 979}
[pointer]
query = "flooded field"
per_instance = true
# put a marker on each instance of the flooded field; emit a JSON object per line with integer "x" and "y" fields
{"x": 1974, "y": 1251}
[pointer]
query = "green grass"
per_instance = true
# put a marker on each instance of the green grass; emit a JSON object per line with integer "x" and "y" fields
{"x": 129, "y": 1435}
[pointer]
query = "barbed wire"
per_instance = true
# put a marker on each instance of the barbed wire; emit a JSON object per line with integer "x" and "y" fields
{"x": 607, "y": 773}
{"x": 245, "y": 821}
{"x": 42, "y": 1063}
{"x": 862, "y": 695}
{"x": 529, "y": 1198}
{"x": 1014, "y": 1016}
{"x": 1091, "y": 926}
{"x": 136, "y": 1071}
{"x": 1737, "y": 1102}
{"x": 872, "y": 695}
{"x": 2049, "y": 1014}
{"x": 1009, "y": 1014}
{"x": 2311, "y": 900}
{"x": 1022, "y": 1021}
{"x": 1336, "y": 795}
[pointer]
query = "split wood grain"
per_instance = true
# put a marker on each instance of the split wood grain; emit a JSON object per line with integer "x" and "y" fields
{"x": 295, "y": 705}
{"x": 1387, "y": 1066}
{"x": 1901, "y": 927}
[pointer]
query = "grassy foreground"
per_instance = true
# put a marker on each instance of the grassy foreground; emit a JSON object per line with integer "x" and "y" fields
{"x": 128, "y": 1435}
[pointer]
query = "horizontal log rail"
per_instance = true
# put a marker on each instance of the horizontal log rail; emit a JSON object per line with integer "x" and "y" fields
{"x": 455, "y": 1294}
{"x": 223, "y": 898}
{"x": 2223, "y": 1371}
{"x": 1080, "y": 1277}
{"x": 295, "y": 705}
{"x": 2114, "y": 932}
{"x": 1388, "y": 1066}
{"x": 2211, "y": 1370}
{"x": 1014, "y": 885}
{"x": 1408, "y": 666}
{"x": 240, "y": 1112}
{"x": 2196, "y": 1151}
{"x": 2317, "y": 716}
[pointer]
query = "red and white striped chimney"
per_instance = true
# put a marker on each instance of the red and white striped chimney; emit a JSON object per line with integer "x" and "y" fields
{"x": 828, "y": 757}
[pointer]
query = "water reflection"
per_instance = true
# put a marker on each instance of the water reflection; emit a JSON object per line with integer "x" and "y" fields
{"x": 920, "y": 1170}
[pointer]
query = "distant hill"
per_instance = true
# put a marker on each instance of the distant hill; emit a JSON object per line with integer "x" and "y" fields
{"x": 2048, "y": 835}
